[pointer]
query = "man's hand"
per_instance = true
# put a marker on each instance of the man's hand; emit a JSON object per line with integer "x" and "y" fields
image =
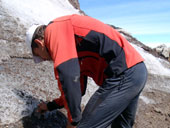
{"x": 69, "y": 125}
{"x": 42, "y": 108}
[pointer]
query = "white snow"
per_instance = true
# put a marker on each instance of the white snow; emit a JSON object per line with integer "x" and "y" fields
{"x": 38, "y": 11}
{"x": 154, "y": 45}
{"x": 153, "y": 64}
{"x": 29, "y": 12}
{"x": 15, "y": 105}
{"x": 147, "y": 100}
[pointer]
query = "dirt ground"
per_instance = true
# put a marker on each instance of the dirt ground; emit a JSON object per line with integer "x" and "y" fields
{"x": 155, "y": 115}
{"x": 149, "y": 115}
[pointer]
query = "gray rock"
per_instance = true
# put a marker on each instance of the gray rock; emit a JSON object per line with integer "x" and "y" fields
{"x": 165, "y": 52}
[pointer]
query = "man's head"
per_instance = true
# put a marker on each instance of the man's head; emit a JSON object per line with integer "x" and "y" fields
{"x": 35, "y": 41}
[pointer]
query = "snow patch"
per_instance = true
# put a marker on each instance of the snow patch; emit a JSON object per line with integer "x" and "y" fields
{"x": 8, "y": 100}
{"x": 38, "y": 11}
{"x": 147, "y": 100}
{"x": 154, "y": 45}
{"x": 153, "y": 64}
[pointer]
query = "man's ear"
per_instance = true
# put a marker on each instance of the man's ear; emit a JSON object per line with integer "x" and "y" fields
{"x": 39, "y": 42}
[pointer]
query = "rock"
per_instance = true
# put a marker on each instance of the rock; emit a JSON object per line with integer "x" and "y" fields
{"x": 50, "y": 120}
{"x": 169, "y": 59}
{"x": 53, "y": 119}
{"x": 157, "y": 110}
{"x": 163, "y": 50}
{"x": 76, "y": 5}
{"x": 160, "y": 48}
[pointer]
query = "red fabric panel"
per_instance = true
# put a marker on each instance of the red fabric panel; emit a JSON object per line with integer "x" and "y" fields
{"x": 60, "y": 41}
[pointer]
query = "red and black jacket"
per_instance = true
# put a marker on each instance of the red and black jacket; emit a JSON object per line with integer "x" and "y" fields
{"x": 81, "y": 46}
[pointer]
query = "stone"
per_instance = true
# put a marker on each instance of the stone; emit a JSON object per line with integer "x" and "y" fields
{"x": 54, "y": 119}
{"x": 169, "y": 59}
{"x": 165, "y": 52}
{"x": 160, "y": 48}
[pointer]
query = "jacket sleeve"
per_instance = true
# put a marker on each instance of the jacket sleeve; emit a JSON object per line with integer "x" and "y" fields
{"x": 60, "y": 42}
{"x": 59, "y": 103}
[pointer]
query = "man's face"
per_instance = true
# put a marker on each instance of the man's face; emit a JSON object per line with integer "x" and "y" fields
{"x": 41, "y": 51}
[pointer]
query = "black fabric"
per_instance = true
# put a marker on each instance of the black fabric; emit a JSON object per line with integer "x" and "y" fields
{"x": 74, "y": 123}
{"x": 69, "y": 76}
{"x": 107, "y": 48}
{"x": 84, "y": 86}
{"x": 53, "y": 105}
{"x": 87, "y": 44}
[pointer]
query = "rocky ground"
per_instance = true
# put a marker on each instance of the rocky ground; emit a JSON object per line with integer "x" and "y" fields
{"x": 151, "y": 114}
{"x": 55, "y": 119}
{"x": 154, "y": 115}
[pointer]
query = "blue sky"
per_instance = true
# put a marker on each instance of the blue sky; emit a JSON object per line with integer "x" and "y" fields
{"x": 147, "y": 20}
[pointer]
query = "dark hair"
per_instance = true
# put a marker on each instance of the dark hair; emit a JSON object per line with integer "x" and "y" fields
{"x": 38, "y": 34}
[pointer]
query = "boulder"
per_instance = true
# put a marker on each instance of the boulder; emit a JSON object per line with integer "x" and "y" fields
{"x": 163, "y": 50}
{"x": 160, "y": 48}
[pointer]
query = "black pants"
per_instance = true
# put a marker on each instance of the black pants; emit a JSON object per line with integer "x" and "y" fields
{"x": 115, "y": 102}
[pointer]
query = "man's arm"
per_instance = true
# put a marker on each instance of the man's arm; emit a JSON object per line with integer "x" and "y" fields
{"x": 59, "y": 103}
{"x": 69, "y": 85}
{"x": 60, "y": 41}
